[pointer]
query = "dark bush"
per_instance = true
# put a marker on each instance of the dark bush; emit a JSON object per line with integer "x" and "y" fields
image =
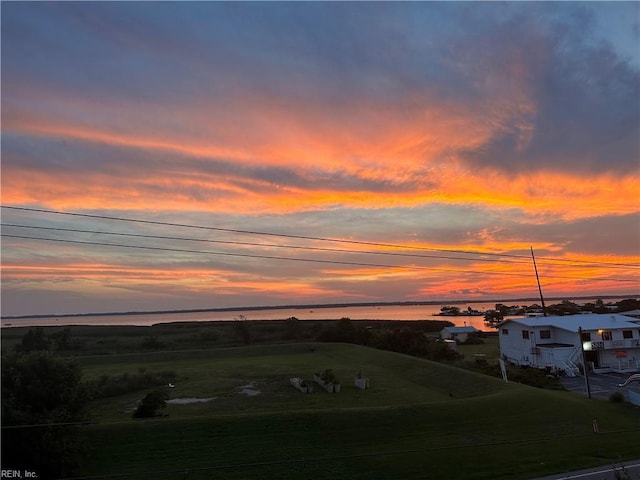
{"x": 616, "y": 397}
{"x": 152, "y": 404}
{"x": 440, "y": 351}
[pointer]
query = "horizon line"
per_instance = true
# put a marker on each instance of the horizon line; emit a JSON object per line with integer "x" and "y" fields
{"x": 310, "y": 305}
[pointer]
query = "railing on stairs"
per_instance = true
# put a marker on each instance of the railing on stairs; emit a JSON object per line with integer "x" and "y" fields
{"x": 569, "y": 365}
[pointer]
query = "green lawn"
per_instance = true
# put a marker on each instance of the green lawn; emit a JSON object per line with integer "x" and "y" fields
{"x": 419, "y": 420}
{"x": 490, "y": 348}
{"x": 396, "y": 379}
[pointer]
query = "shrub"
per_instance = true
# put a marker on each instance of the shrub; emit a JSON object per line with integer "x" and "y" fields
{"x": 616, "y": 397}
{"x": 152, "y": 404}
{"x": 440, "y": 351}
{"x": 328, "y": 376}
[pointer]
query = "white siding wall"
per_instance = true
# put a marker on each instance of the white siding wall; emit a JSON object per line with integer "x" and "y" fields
{"x": 565, "y": 336}
{"x": 554, "y": 357}
{"x": 512, "y": 346}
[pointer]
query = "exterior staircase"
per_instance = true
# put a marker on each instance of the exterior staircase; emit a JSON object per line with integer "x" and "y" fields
{"x": 570, "y": 365}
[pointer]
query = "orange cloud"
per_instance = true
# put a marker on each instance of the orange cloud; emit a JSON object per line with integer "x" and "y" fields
{"x": 407, "y": 152}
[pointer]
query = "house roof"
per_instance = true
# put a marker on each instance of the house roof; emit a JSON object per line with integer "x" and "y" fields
{"x": 590, "y": 321}
{"x": 631, "y": 313}
{"x": 461, "y": 329}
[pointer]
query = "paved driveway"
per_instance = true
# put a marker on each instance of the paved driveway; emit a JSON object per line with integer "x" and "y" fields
{"x": 606, "y": 472}
{"x": 601, "y": 384}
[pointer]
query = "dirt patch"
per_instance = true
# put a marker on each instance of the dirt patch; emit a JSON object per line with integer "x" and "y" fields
{"x": 249, "y": 389}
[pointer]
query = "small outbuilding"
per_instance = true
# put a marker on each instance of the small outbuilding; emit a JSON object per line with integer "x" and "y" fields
{"x": 459, "y": 334}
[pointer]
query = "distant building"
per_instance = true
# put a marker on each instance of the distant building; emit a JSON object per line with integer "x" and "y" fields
{"x": 459, "y": 334}
{"x": 632, "y": 313}
{"x": 611, "y": 342}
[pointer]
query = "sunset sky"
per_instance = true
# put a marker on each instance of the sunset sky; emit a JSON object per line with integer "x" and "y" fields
{"x": 326, "y": 152}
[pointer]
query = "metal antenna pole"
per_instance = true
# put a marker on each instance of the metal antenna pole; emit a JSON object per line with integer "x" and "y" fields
{"x": 544, "y": 309}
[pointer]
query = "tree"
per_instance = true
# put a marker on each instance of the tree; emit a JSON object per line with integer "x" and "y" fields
{"x": 628, "y": 304}
{"x": 42, "y": 391}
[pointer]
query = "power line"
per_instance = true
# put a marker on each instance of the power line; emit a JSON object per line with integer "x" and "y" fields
{"x": 301, "y": 237}
{"x": 254, "y": 244}
{"x": 293, "y": 247}
{"x": 310, "y": 260}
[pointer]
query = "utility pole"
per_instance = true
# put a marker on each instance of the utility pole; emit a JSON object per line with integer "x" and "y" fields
{"x": 544, "y": 309}
{"x": 584, "y": 364}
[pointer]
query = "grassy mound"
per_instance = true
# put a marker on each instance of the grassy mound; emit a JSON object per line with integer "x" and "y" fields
{"x": 419, "y": 420}
{"x": 395, "y": 379}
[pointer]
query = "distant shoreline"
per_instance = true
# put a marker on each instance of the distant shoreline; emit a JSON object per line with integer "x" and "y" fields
{"x": 306, "y": 306}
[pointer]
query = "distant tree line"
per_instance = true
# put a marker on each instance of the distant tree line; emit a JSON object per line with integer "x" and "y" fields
{"x": 566, "y": 307}
{"x": 412, "y": 339}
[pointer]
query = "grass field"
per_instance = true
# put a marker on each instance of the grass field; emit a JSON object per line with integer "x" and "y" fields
{"x": 420, "y": 419}
{"x": 396, "y": 379}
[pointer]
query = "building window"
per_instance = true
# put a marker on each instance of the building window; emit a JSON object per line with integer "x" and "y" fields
{"x": 545, "y": 334}
{"x": 606, "y": 335}
{"x": 586, "y": 336}
{"x": 505, "y": 331}
{"x": 627, "y": 334}
{"x": 525, "y": 333}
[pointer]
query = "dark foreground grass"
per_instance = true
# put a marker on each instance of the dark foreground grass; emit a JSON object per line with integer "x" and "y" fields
{"x": 475, "y": 439}
{"x": 419, "y": 420}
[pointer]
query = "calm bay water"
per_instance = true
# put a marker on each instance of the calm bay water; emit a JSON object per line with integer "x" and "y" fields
{"x": 375, "y": 312}
{"x": 379, "y": 312}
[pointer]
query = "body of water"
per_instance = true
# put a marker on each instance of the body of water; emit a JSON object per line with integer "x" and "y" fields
{"x": 375, "y": 312}
{"x": 356, "y": 312}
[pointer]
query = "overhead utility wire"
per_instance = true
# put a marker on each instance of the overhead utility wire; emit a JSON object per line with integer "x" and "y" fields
{"x": 274, "y": 245}
{"x": 251, "y": 244}
{"x": 301, "y": 237}
{"x": 311, "y": 260}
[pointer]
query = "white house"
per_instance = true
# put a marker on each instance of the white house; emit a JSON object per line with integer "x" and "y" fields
{"x": 460, "y": 334}
{"x": 610, "y": 342}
